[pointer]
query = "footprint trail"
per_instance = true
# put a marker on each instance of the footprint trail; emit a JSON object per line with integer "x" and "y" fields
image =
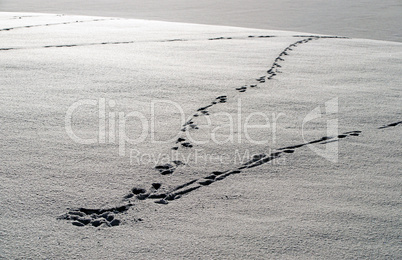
{"x": 160, "y": 195}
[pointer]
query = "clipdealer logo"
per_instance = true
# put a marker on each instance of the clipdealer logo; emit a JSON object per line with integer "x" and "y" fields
{"x": 112, "y": 125}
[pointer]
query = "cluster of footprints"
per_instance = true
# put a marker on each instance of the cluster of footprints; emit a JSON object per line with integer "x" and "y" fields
{"x": 95, "y": 217}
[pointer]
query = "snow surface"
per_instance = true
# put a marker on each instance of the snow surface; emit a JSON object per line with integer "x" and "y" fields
{"x": 287, "y": 203}
{"x": 372, "y": 19}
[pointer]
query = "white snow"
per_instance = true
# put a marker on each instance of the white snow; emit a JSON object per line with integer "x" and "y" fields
{"x": 297, "y": 206}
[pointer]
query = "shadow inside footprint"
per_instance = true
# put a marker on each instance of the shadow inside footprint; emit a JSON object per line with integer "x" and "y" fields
{"x": 165, "y": 169}
{"x": 206, "y": 182}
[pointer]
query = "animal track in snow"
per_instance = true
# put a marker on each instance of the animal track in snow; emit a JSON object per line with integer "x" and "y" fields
{"x": 169, "y": 168}
{"x": 165, "y": 169}
{"x": 261, "y": 36}
{"x": 52, "y": 24}
{"x": 107, "y": 217}
{"x": 215, "y": 176}
{"x": 322, "y": 140}
{"x": 321, "y": 36}
{"x": 390, "y": 125}
{"x": 190, "y": 123}
{"x": 163, "y": 196}
{"x": 242, "y": 89}
{"x": 109, "y": 43}
{"x": 96, "y": 217}
{"x": 272, "y": 72}
{"x": 220, "y": 38}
